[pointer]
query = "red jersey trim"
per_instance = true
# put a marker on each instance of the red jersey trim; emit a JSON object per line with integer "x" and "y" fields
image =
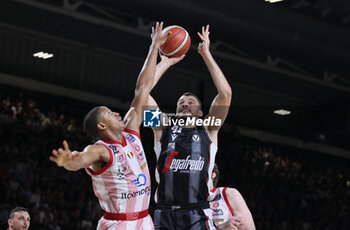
{"x": 132, "y": 132}
{"x": 213, "y": 189}
{"x": 106, "y": 166}
{"x": 131, "y": 216}
{"x": 116, "y": 142}
{"x": 226, "y": 200}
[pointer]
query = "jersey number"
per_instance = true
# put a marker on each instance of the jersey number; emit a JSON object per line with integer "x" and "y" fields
{"x": 176, "y": 129}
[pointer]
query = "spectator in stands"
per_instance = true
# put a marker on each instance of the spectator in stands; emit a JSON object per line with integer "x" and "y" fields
{"x": 19, "y": 219}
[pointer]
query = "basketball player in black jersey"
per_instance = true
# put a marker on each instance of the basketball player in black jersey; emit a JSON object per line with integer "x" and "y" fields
{"x": 186, "y": 153}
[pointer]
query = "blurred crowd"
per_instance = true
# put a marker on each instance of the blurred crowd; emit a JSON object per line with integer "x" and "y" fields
{"x": 288, "y": 188}
{"x": 56, "y": 198}
{"x": 284, "y": 187}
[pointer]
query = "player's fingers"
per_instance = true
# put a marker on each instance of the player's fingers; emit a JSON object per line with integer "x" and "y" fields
{"x": 201, "y": 36}
{"x": 177, "y": 59}
{"x": 207, "y": 29}
{"x": 157, "y": 25}
{"x": 60, "y": 151}
{"x": 65, "y": 145}
{"x": 161, "y": 26}
{"x": 236, "y": 220}
{"x": 54, "y": 159}
{"x": 152, "y": 29}
{"x": 54, "y": 152}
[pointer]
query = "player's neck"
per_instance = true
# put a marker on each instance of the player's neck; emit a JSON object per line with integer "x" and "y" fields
{"x": 109, "y": 135}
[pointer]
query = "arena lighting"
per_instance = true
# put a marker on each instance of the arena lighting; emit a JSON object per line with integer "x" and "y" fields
{"x": 273, "y": 1}
{"x": 282, "y": 112}
{"x": 42, "y": 55}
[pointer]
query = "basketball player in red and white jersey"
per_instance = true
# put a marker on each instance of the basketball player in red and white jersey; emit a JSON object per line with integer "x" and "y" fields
{"x": 117, "y": 162}
{"x": 229, "y": 211}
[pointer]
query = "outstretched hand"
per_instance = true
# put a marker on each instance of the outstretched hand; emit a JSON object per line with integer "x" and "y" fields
{"x": 62, "y": 156}
{"x": 158, "y": 38}
{"x": 203, "y": 47}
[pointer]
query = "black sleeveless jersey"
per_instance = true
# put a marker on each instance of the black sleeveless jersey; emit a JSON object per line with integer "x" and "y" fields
{"x": 185, "y": 161}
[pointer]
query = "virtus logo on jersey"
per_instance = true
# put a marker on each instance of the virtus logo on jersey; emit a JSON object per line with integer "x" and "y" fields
{"x": 183, "y": 165}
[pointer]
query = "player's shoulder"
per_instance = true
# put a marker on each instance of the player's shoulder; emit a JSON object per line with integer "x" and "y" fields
{"x": 131, "y": 133}
{"x": 97, "y": 147}
{"x": 232, "y": 192}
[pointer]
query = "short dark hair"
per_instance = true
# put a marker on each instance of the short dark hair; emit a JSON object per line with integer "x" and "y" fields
{"x": 193, "y": 95}
{"x": 17, "y": 209}
{"x": 217, "y": 172}
{"x": 91, "y": 120}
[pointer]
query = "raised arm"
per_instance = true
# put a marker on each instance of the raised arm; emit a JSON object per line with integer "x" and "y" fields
{"x": 240, "y": 209}
{"x": 164, "y": 65}
{"x": 145, "y": 80}
{"x": 221, "y": 103}
{"x": 161, "y": 68}
{"x": 73, "y": 161}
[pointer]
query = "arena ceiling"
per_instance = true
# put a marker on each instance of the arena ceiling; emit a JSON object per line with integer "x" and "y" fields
{"x": 293, "y": 54}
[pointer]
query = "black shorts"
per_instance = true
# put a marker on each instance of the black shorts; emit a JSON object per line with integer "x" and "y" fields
{"x": 181, "y": 219}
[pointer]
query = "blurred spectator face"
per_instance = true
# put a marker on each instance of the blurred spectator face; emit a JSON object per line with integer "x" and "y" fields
{"x": 19, "y": 221}
{"x": 31, "y": 104}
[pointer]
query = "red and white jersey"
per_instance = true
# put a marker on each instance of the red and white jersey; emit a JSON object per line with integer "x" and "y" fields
{"x": 220, "y": 207}
{"x": 123, "y": 185}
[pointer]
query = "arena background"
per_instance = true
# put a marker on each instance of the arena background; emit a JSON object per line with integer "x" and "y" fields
{"x": 293, "y": 171}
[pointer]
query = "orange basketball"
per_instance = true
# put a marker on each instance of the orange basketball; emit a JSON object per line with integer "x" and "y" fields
{"x": 177, "y": 43}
